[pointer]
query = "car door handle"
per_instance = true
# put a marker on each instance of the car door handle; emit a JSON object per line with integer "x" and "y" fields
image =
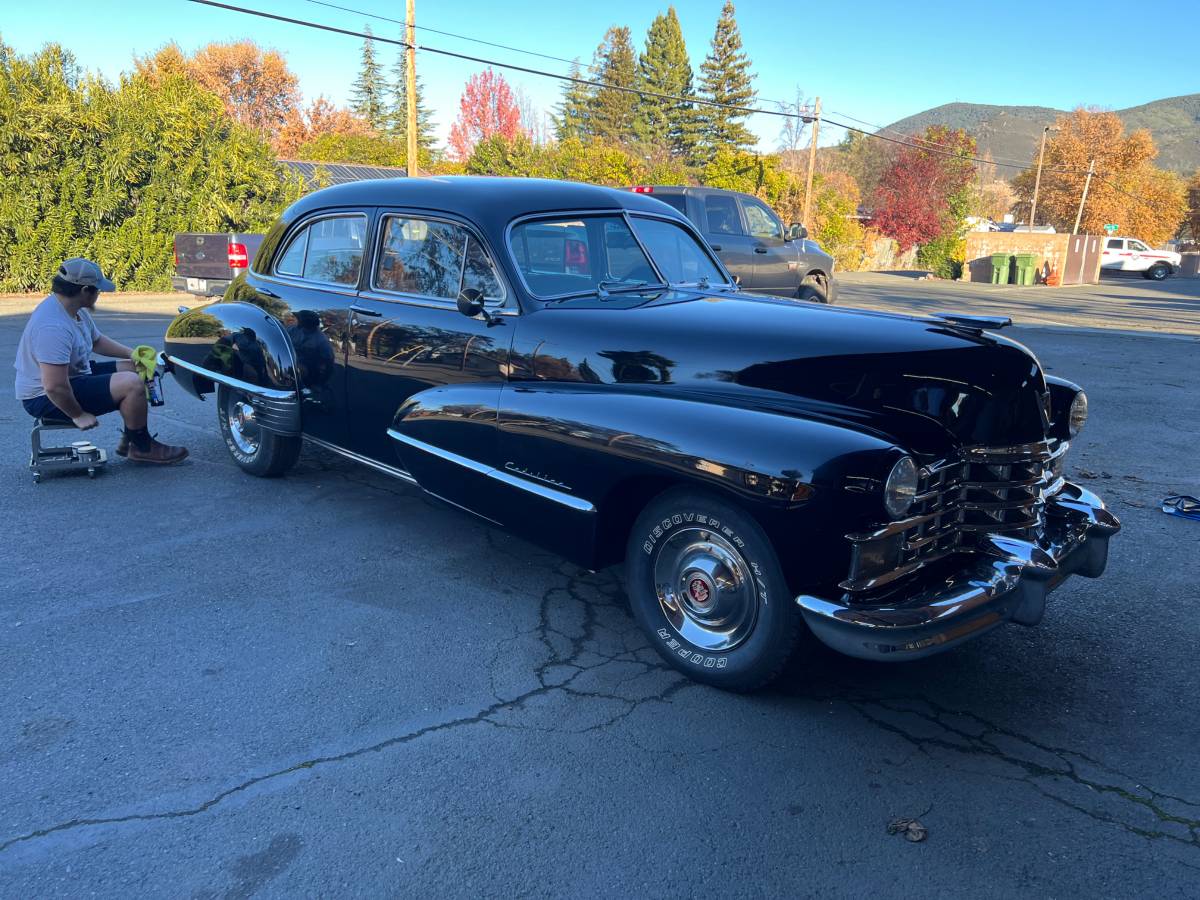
{"x": 715, "y": 247}
{"x": 370, "y": 313}
{"x": 760, "y": 249}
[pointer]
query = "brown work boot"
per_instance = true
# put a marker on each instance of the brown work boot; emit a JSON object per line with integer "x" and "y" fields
{"x": 157, "y": 452}
{"x": 123, "y": 445}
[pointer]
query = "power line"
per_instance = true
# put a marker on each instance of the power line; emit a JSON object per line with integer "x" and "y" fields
{"x": 641, "y": 92}
{"x": 461, "y": 37}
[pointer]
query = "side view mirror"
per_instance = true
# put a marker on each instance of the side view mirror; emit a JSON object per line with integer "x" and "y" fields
{"x": 471, "y": 305}
{"x": 797, "y": 232}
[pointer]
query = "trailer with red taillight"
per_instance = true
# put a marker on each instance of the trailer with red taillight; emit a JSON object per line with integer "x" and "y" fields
{"x": 206, "y": 263}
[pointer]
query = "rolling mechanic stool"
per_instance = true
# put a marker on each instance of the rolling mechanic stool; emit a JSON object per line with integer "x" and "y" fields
{"x": 79, "y": 455}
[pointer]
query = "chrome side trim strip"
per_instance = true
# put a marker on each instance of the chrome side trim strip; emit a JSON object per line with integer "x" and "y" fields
{"x": 236, "y": 383}
{"x": 366, "y": 461}
{"x": 546, "y": 493}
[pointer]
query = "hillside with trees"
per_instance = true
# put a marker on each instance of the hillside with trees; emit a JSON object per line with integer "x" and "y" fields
{"x": 1013, "y": 132}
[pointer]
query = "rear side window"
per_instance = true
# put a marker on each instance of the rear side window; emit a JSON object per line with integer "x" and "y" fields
{"x": 1114, "y": 245}
{"x": 677, "y": 202}
{"x": 434, "y": 259}
{"x": 329, "y": 251}
{"x": 721, "y": 215}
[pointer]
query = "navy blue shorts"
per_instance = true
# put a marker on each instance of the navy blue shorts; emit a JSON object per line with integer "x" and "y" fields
{"x": 91, "y": 392}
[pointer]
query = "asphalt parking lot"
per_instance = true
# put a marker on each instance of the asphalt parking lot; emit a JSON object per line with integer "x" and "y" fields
{"x": 219, "y": 686}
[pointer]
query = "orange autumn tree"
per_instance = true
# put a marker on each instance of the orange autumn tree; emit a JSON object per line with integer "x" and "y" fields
{"x": 254, "y": 83}
{"x": 1128, "y": 189}
{"x": 321, "y": 117}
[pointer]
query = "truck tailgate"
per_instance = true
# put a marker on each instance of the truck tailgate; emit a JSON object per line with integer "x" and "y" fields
{"x": 202, "y": 256}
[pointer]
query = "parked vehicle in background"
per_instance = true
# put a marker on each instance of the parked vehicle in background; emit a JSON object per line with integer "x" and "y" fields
{"x": 753, "y": 243}
{"x": 1131, "y": 255}
{"x": 573, "y": 363}
{"x": 206, "y": 262}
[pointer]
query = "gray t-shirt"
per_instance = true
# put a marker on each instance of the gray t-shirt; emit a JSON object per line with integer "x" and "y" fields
{"x": 52, "y": 336}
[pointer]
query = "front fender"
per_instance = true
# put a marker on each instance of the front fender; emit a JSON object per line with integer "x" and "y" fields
{"x": 807, "y": 482}
{"x": 241, "y": 346}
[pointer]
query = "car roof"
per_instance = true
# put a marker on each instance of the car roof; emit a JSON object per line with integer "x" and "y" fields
{"x": 488, "y": 200}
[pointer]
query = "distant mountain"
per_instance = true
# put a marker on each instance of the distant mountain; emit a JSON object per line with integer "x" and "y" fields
{"x": 1011, "y": 133}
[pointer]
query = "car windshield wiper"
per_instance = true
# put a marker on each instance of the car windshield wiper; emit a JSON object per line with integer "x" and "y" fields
{"x": 611, "y": 286}
{"x": 704, "y": 284}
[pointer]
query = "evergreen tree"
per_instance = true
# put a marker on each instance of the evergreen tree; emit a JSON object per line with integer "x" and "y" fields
{"x": 664, "y": 68}
{"x": 726, "y": 78}
{"x": 573, "y": 119}
{"x": 398, "y": 111}
{"x": 368, "y": 96}
{"x": 611, "y": 111}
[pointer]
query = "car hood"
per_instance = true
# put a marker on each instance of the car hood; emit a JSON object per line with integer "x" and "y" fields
{"x": 925, "y": 383}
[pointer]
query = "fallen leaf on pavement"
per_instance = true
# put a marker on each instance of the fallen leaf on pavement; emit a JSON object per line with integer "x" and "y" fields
{"x": 912, "y": 829}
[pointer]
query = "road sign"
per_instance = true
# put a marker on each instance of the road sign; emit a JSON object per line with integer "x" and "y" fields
{"x": 1111, "y": 229}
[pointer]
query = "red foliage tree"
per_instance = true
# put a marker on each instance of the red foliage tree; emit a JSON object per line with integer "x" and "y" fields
{"x": 487, "y": 108}
{"x": 916, "y": 197}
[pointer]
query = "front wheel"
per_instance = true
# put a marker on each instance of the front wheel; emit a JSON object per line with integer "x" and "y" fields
{"x": 257, "y": 450}
{"x": 706, "y": 587}
{"x": 1158, "y": 271}
{"x": 814, "y": 289}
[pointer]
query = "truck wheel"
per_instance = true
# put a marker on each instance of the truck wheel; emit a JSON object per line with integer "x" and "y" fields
{"x": 705, "y": 586}
{"x": 813, "y": 289}
{"x": 254, "y": 448}
{"x": 1157, "y": 272}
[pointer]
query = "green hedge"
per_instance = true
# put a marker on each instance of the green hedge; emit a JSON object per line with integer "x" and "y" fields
{"x": 113, "y": 172}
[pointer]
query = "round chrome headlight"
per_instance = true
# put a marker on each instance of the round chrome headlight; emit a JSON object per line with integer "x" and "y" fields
{"x": 1078, "y": 414}
{"x": 900, "y": 489}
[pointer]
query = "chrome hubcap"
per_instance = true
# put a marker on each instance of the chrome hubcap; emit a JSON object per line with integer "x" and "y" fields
{"x": 705, "y": 589}
{"x": 244, "y": 427}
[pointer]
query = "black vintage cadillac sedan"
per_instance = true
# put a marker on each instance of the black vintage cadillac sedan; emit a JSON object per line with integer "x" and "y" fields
{"x": 573, "y": 363}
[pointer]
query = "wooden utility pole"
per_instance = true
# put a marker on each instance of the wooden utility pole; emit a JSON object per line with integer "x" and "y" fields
{"x": 812, "y": 161}
{"x": 410, "y": 81}
{"x": 1083, "y": 199}
{"x": 1037, "y": 182}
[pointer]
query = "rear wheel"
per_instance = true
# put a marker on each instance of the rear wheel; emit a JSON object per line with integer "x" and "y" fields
{"x": 706, "y": 587}
{"x": 257, "y": 450}
{"x": 1158, "y": 272}
{"x": 814, "y": 289}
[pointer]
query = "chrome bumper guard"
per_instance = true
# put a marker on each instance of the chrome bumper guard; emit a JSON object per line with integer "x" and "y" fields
{"x": 1007, "y": 581}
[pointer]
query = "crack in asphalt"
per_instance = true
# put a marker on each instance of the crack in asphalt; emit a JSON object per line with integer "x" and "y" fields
{"x": 1038, "y": 775}
{"x": 580, "y": 646}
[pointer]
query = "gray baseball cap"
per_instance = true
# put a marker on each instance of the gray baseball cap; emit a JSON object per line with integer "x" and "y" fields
{"x": 85, "y": 272}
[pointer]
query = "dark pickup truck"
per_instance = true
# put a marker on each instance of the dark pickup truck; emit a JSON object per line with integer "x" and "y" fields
{"x": 205, "y": 263}
{"x": 752, "y": 242}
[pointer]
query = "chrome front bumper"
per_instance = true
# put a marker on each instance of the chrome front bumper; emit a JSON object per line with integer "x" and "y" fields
{"x": 1007, "y": 581}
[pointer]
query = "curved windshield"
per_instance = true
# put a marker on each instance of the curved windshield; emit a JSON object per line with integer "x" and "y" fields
{"x": 586, "y": 254}
{"x": 676, "y": 252}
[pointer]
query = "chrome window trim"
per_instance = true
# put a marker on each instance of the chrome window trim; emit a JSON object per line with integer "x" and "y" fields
{"x": 305, "y": 224}
{"x": 576, "y": 503}
{"x": 501, "y": 306}
{"x": 236, "y": 383}
{"x": 394, "y": 471}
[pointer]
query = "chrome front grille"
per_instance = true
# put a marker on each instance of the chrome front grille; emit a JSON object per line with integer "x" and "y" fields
{"x": 986, "y": 490}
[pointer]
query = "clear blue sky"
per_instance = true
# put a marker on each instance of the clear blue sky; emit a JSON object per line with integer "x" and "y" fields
{"x": 878, "y": 61}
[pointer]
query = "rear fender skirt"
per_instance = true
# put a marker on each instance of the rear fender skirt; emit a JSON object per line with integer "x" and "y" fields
{"x": 240, "y": 346}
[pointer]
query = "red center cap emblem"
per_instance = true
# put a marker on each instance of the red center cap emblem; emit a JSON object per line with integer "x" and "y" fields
{"x": 698, "y": 589}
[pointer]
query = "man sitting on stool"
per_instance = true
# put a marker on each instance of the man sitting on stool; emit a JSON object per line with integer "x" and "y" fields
{"x": 56, "y": 378}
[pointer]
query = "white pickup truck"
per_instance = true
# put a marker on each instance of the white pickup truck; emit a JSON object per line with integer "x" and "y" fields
{"x": 1131, "y": 255}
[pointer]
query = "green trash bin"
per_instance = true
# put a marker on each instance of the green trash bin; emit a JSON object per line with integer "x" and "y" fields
{"x": 1025, "y": 267}
{"x": 1000, "y": 265}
